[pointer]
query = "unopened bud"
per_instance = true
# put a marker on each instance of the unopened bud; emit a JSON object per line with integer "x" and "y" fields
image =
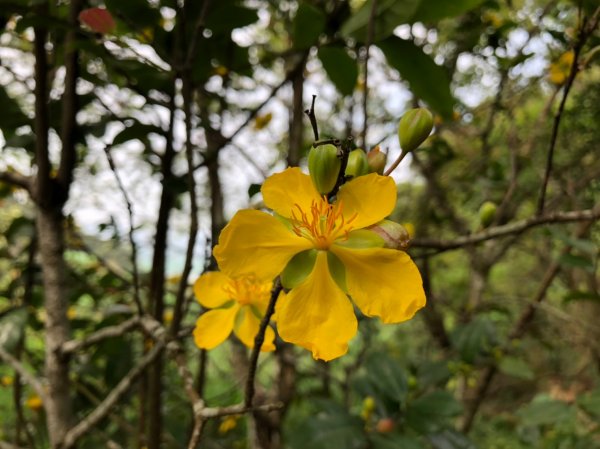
{"x": 385, "y": 425}
{"x": 324, "y": 167}
{"x": 394, "y": 235}
{"x": 487, "y": 213}
{"x": 376, "y": 160}
{"x": 357, "y": 163}
{"x": 414, "y": 128}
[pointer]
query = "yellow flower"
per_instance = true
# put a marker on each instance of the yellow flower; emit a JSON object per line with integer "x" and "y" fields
{"x": 237, "y": 304}
{"x": 228, "y": 423}
{"x": 323, "y": 254}
{"x": 34, "y": 402}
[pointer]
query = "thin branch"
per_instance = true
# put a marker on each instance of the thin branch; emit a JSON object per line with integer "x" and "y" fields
{"x": 24, "y": 373}
{"x": 105, "y": 407}
{"x": 72, "y": 346}
{"x": 370, "y": 35}
{"x": 258, "y": 342}
{"x": 198, "y": 30}
{"x": 134, "y": 264}
{"x": 518, "y": 330}
{"x": 584, "y": 33}
{"x": 508, "y": 229}
{"x": 16, "y": 179}
{"x": 312, "y": 117}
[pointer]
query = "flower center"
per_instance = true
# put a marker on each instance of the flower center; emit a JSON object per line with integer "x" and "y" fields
{"x": 248, "y": 290}
{"x": 323, "y": 224}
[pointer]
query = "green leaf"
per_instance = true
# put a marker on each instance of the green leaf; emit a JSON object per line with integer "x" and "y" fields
{"x": 474, "y": 339}
{"x": 394, "y": 441}
{"x": 545, "y": 411}
{"x": 12, "y": 328}
{"x": 137, "y": 131}
{"x": 12, "y": 116}
{"x": 225, "y": 16}
{"x": 586, "y": 246}
{"x": 427, "y": 80}
{"x": 450, "y": 439}
{"x": 137, "y": 14}
{"x": 515, "y": 367}
{"x": 590, "y": 402}
{"x": 307, "y": 26}
{"x": 573, "y": 261}
{"x": 388, "y": 15}
{"x": 386, "y": 376}
{"x": 434, "y": 10}
{"x": 340, "y": 67}
{"x": 254, "y": 189}
{"x": 331, "y": 428}
{"x": 581, "y": 296}
{"x": 432, "y": 412}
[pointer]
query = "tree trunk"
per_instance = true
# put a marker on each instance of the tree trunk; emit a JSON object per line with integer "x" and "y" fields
{"x": 51, "y": 247}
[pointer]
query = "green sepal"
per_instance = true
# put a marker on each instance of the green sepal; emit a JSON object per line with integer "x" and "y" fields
{"x": 362, "y": 238}
{"x": 298, "y": 268}
{"x": 337, "y": 271}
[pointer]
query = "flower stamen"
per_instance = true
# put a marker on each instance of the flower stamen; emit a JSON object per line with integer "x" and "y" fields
{"x": 324, "y": 224}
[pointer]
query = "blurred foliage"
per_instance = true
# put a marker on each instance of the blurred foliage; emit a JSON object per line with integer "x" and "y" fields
{"x": 409, "y": 386}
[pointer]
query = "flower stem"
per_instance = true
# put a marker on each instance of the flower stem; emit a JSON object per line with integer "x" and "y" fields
{"x": 258, "y": 342}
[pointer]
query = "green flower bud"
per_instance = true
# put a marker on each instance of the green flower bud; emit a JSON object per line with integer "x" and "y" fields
{"x": 376, "y": 160}
{"x": 414, "y": 128}
{"x": 394, "y": 235}
{"x": 324, "y": 167}
{"x": 357, "y": 163}
{"x": 487, "y": 213}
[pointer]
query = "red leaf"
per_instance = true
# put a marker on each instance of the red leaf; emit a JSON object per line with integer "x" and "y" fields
{"x": 98, "y": 19}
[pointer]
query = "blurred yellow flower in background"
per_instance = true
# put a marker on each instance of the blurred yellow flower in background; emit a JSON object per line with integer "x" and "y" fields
{"x": 238, "y": 304}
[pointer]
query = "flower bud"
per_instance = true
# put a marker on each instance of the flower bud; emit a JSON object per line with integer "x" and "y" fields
{"x": 385, "y": 425}
{"x": 414, "y": 128}
{"x": 394, "y": 235}
{"x": 357, "y": 163}
{"x": 487, "y": 213}
{"x": 376, "y": 160}
{"x": 324, "y": 167}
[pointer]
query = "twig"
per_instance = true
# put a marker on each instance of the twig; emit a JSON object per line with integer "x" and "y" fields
{"x": 313, "y": 119}
{"x": 258, "y": 342}
{"x": 370, "y": 34}
{"x": 584, "y": 33}
{"x": 24, "y": 373}
{"x": 105, "y": 407}
{"x": 508, "y": 229}
{"x": 72, "y": 346}
{"x": 345, "y": 149}
{"x": 134, "y": 264}
{"x": 16, "y": 179}
{"x": 180, "y": 303}
{"x": 518, "y": 331}
{"x": 198, "y": 29}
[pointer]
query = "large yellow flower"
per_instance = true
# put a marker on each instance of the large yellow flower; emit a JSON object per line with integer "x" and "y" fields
{"x": 237, "y": 304}
{"x": 323, "y": 253}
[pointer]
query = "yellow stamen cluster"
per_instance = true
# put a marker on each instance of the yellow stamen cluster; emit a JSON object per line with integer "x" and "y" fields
{"x": 248, "y": 290}
{"x": 323, "y": 224}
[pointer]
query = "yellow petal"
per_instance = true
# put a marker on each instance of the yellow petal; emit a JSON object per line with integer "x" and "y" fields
{"x": 382, "y": 282}
{"x": 317, "y": 315}
{"x": 371, "y": 198}
{"x": 282, "y": 191}
{"x": 247, "y": 327}
{"x": 210, "y": 289}
{"x": 257, "y": 243}
{"x": 214, "y": 326}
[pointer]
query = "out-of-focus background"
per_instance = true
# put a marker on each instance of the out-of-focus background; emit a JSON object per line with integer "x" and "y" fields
{"x": 131, "y": 131}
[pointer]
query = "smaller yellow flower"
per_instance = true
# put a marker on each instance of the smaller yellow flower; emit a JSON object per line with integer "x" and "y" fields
{"x": 237, "y": 305}
{"x": 34, "y": 402}
{"x": 228, "y": 423}
{"x": 6, "y": 381}
{"x": 559, "y": 70}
